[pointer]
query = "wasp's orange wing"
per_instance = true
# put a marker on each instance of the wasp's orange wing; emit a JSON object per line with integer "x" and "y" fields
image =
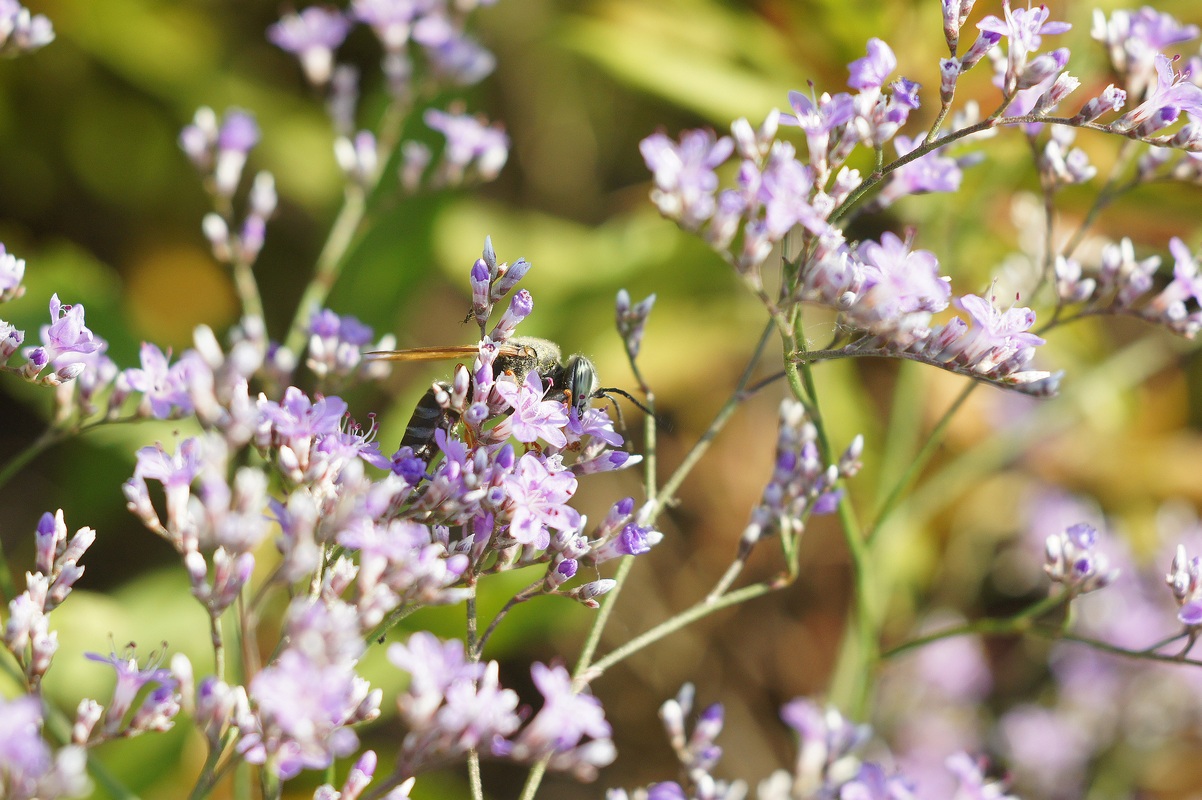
{"x": 445, "y": 353}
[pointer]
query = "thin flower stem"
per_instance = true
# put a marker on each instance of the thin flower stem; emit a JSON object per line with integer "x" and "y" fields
{"x": 728, "y": 578}
{"x": 521, "y": 597}
{"x": 593, "y": 640}
{"x": 919, "y": 461}
{"x": 473, "y": 775}
{"x": 248, "y": 289}
{"x": 584, "y": 664}
{"x": 668, "y": 490}
{"x": 473, "y": 652}
{"x": 218, "y": 646}
{"x": 702, "y": 609}
{"x": 534, "y": 779}
{"x": 1021, "y": 622}
{"x": 860, "y": 648}
{"x": 329, "y": 264}
{"x": 49, "y": 437}
{"x": 210, "y": 773}
{"x": 389, "y": 622}
{"x": 347, "y": 225}
{"x": 1105, "y": 647}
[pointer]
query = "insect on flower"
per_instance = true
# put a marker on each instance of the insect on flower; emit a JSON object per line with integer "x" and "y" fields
{"x": 576, "y": 379}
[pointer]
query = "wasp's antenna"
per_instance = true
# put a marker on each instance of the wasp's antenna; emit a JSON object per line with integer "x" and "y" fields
{"x": 606, "y": 392}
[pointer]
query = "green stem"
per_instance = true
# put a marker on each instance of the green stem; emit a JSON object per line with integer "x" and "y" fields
{"x": 8, "y": 589}
{"x": 919, "y": 461}
{"x": 329, "y": 264}
{"x": 686, "y": 617}
{"x": 247, "y": 289}
{"x": 668, "y": 490}
{"x": 346, "y": 226}
{"x": 584, "y": 665}
{"x": 474, "y": 780}
{"x": 1021, "y": 622}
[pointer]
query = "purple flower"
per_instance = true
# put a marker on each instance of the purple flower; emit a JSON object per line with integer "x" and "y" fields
{"x": 871, "y": 71}
{"x": 784, "y": 189}
{"x": 312, "y": 35}
{"x": 538, "y": 498}
{"x": 299, "y": 419}
{"x": 336, "y": 343}
{"x": 433, "y": 666}
{"x": 451, "y": 704}
{"x": 1025, "y": 28}
{"x": 973, "y": 784}
{"x": 130, "y": 681}
{"x": 558, "y": 729}
{"x": 305, "y": 700}
{"x": 632, "y": 320}
{"x": 1072, "y": 558}
{"x": 176, "y": 472}
{"x": 902, "y": 287}
{"x": 933, "y": 172}
{"x": 470, "y": 140}
{"x": 28, "y": 768}
{"x": 22, "y": 32}
{"x": 66, "y": 341}
{"x": 533, "y": 417}
{"x": 1172, "y": 94}
{"x": 824, "y": 737}
{"x": 685, "y": 181}
{"x": 455, "y": 58}
{"x": 12, "y": 272}
{"x": 996, "y": 338}
{"x": 819, "y": 119}
{"x": 1185, "y": 580}
{"x": 165, "y": 386}
{"x": 392, "y": 20}
{"x": 871, "y": 783}
{"x": 1134, "y": 39}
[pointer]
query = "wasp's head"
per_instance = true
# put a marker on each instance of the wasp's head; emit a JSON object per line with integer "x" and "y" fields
{"x": 580, "y": 382}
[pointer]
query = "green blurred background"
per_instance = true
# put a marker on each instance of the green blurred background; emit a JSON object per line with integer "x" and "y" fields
{"x": 98, "y": 199}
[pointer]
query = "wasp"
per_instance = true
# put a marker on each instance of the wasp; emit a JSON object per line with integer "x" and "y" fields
{"x": 575, "y": 378}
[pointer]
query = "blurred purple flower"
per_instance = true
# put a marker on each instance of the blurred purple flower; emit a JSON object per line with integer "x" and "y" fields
{"x": 28, "y": 768}
{"x": 312, "y": 35}
{"x": 685, "y": 181}
{"x": 871, "y": 71}
{"x": 470, "y": 140}
{"x": 165, "y": 387}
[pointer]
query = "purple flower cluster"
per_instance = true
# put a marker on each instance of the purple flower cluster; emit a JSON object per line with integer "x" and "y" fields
{"x": 474, "y": 147}
{"x": 1072, "y": 558}
{"x": 1123, "y": 284}
{"x": 372, "y": 546}
{"x": 1135, "y": 39}
{"x": 120, "y": 719}
{"x": 27, "y": 634}
{"x": 890, "y": 292}
{"x": 827, "y": 764}
{"x": 305, "y": 701}
{"x": 454, "y": 705}
{"x": 800, "y": 484}
{"x": 29, "y": 769}
{"x": 22, "y": 31}
{"x": 414, "y": 34}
